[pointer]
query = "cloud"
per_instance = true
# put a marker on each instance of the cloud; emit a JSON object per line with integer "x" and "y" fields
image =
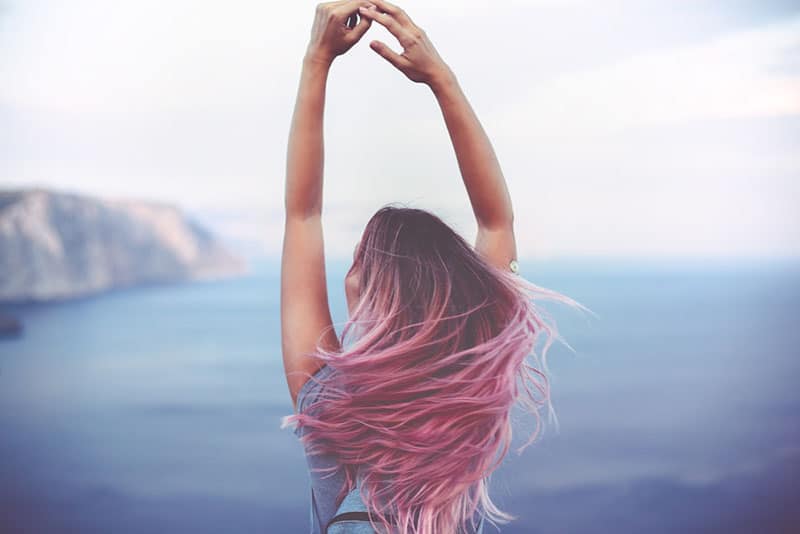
{"x": 729, "y": 77}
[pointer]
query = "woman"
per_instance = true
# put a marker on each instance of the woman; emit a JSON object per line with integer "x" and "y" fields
{"x": 413, "y": 401}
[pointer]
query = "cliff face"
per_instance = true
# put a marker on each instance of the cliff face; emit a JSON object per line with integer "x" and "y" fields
{"x": 57, "y": 245}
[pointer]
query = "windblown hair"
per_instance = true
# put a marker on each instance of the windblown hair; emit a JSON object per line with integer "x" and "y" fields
{"x": 438, "y": 349}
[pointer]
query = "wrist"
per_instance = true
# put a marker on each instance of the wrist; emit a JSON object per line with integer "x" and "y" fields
{"x": 317, "y": 59}
{"x": 442, "y": 81}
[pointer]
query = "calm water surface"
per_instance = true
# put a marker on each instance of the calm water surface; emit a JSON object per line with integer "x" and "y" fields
{"x": 158, "y": 409}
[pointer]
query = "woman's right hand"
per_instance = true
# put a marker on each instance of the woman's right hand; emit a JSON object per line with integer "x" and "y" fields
{"x": 420, "y": 61}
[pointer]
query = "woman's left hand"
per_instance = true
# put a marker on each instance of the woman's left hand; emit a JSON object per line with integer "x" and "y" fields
{"x": 334, "y": 31}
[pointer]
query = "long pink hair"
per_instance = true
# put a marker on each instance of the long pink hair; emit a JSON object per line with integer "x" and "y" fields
{"x": 438, "y": 349}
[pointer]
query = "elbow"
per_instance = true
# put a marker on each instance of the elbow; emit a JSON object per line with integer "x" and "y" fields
{"x": 497, "y": 222}
{"x": 295, "y": 210}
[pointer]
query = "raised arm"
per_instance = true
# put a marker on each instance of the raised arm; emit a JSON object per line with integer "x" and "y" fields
{"x": 305, "y": 315}
{"x": 480, "y": 170}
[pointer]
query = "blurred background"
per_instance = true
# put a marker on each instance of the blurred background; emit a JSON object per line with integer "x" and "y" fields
{"x": 651, "y": 150}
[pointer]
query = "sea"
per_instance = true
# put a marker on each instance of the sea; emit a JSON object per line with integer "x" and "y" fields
{"x": 157, "y": 408}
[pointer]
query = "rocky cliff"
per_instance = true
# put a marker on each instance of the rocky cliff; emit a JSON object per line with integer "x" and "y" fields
{"x": 56, "y": 245}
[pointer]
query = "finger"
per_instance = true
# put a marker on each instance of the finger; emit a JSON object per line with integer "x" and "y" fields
{"x": 393, "y": 10}
{"x": 390, "y": 23}
{"x": 344, "y": 9}
{"x": 360, "y": 29}
{"x": 390, "y": 55}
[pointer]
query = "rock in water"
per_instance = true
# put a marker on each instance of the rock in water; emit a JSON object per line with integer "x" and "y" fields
{"x": 56, "y": 245}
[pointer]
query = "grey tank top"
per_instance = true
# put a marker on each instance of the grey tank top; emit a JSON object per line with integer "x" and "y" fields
{"x": 325, "y": 485}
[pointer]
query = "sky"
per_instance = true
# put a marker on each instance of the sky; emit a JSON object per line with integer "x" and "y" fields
{"x": 624, "y": 128}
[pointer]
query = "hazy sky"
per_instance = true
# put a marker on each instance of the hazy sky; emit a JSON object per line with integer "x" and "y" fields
{"x": 624, "y": 128}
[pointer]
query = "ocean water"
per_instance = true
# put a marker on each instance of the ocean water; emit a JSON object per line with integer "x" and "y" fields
{"x": 157, "y": 409}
